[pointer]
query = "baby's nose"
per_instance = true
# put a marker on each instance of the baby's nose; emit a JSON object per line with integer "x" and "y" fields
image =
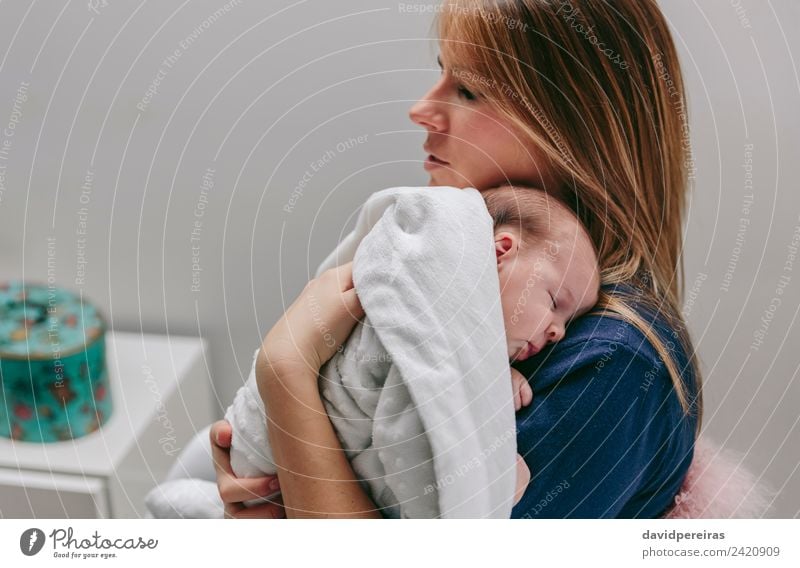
{"x": 554, "y": 335}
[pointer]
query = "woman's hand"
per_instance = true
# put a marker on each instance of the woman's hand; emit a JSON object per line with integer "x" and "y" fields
{"x": 316, "y": 479}
{"x": 234, "y": 490}
{"x": 316, "y": 324}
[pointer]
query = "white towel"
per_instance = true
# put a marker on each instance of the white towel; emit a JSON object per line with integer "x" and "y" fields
{"x": 420, "y": 396}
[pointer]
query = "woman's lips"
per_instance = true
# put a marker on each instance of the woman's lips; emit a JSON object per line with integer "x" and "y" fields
{"x": 434, "y": 162}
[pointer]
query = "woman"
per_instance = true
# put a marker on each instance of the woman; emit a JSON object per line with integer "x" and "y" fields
{"x": 585, "y": 100}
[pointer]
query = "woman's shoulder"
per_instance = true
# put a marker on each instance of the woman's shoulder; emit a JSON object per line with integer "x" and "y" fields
{"x": 601, "y": 329}
{"x": 604, "y": 344}
{"x": 604, "y": 398}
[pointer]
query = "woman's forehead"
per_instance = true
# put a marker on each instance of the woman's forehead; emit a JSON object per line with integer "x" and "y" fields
{"x": 455, "y": 61}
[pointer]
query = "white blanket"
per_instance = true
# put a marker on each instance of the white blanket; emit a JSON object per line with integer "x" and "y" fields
{"x": 420, "y": 396}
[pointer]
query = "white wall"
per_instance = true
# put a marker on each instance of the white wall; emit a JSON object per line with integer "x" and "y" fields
{"x": 744, "y": 90}
{"x": 268, "y": 88}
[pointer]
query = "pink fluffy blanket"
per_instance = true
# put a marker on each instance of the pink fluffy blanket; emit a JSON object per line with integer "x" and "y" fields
{"x": 718, "y": 486}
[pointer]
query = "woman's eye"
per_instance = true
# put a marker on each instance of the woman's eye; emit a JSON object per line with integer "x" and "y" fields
{"x": 466, "y": 93}
{"x": 554, "y": 301}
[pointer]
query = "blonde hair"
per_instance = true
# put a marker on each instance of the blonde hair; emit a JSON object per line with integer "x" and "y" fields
{"x": 596, "y": 86}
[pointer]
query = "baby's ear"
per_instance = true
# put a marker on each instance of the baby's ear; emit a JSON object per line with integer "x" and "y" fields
{"x": 504, "y": 242}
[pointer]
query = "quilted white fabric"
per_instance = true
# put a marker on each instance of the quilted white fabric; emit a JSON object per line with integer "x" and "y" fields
{"x": 420, "y": 396}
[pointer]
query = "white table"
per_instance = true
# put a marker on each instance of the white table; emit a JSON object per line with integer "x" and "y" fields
{"x": 161, "y": 395}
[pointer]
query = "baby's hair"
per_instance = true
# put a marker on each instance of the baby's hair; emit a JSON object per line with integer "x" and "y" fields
{"x": 528, "y": 209}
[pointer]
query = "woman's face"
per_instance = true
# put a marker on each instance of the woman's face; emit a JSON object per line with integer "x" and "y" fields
{"x": 469, "y": 144}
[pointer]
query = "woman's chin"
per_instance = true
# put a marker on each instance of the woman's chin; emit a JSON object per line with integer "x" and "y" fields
{"x": 440, "y": 180}
{"x": 439, "y": 176}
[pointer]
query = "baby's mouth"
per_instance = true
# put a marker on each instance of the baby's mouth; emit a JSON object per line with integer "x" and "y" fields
{"x": 525, "y": 352}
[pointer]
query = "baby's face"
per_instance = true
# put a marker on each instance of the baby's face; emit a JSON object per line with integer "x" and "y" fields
{"x": 543, "y": 288}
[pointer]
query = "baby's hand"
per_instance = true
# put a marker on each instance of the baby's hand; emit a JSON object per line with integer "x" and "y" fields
{"x": 523, "y": 393}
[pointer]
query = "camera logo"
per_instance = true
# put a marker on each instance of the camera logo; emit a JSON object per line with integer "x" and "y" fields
{"x": 31, "y": 541}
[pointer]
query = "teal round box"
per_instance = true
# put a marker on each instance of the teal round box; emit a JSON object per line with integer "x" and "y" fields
{"x": 53, "y": 380}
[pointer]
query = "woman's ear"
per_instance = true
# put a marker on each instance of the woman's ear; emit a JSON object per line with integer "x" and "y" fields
{"x": 505, "y": 244}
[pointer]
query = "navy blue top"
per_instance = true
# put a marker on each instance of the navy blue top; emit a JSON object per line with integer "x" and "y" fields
{"x": 605, "y": 435}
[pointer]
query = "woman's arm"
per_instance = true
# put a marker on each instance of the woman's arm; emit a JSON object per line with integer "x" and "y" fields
{"x": 316, "y": 479}
{"x": 234, "y": 490}
{"x": 605, "y": 430}
{"x": 315, "y": 476}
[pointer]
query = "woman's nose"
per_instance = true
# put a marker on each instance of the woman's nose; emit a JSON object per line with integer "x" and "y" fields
{"x": 429, "y": 112}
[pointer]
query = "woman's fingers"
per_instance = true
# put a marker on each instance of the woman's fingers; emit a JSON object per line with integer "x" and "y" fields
{"x": 220, "y": 434}
{"x": 232, "y": 510}
{"x": 344, "y": 283}
{"x": 317, "y": 323}
{"x": 266, "y": 511}
{"x": 333, "y": 308}
{"x": 234, "y": 489}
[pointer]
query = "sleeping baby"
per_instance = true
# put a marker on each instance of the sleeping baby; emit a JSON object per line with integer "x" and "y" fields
{"x": 548, "y": 272}
{"x": 416, "y": 393}
{"x": 548, "y": 275}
